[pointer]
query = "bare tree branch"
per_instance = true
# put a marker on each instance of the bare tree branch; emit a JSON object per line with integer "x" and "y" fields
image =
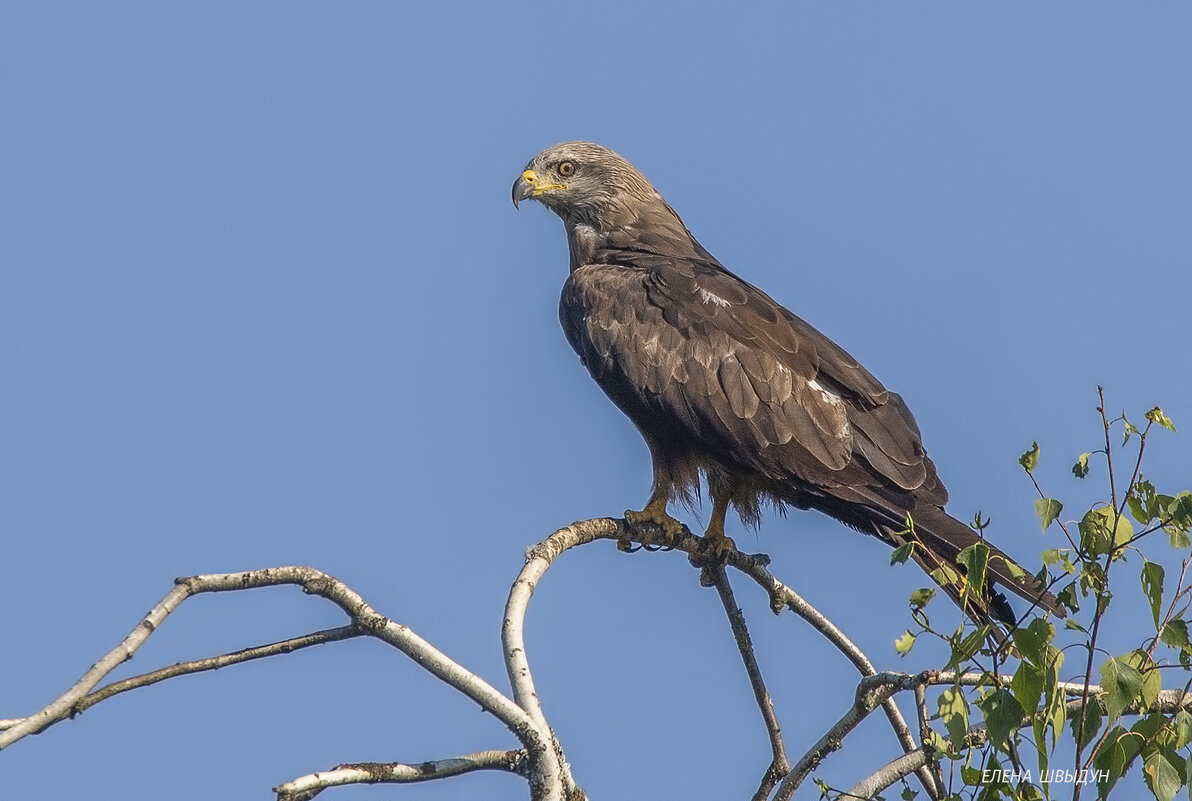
{"x": 541, "y": 760}
{"x": 306, "y": 787}
{"x": 925, "y": 733}
{"x": 872, "y": 692}
{"x": 200, "y": 665}
{"x": 779, "y": 764}
{"x": 906, "y": 764}
{"x": 546, "y": 781}
{"x": 782, "y": 596}
{"x": 61, "y": 706}
{"x": 753, "y": 565}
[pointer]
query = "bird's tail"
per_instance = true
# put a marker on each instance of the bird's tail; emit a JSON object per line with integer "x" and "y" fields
{"x": 940, "y": 538}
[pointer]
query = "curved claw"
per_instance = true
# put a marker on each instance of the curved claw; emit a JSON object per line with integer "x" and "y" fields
{"x": 672, "y": 529}
{"x": 715, "y": 548}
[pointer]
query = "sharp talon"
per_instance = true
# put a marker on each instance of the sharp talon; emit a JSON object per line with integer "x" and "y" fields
{"x": 715, "y": 548}
{"x": 672, "y": 529}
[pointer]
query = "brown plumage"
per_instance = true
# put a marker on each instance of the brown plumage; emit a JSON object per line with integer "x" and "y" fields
{"x": 722, "y": 380}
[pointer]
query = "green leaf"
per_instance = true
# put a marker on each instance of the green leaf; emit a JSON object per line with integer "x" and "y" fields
{"x": 1180, "y": 510}
{"x": 904, "y": 644}
{"x": 1014, "y": 570}
{"x": 970, "y": 776}
{"x": 1183, "y": 728}
{"x": 902, "y": 553}
{"x": 1156, "y": 416}
{"x": 1068, "y": 597}
{"x": 1141, "y": 661}
{"x": 1003, "y": 716}
{"x": 1152, "y": 585}
{"x": 1130, "y": 429}
{"x": 1034, "y": 642}
{"x": 1120, "y": 747}
{"x": 1162, "y": 775}
{"x": 1092, "y": 722}
{"x": 1047, "y": 510}
{"x": 1029, "y": 792}
{"x": 921, "y": 596}
{"x": 945, "y": 576}
{"x": 1092, "y": 579}
{"x": 1175, "y": 634}
{"x": 908, "y": 794}
{"x": 1030, "y": 459}
{"x": 1138, "y": 509}
{"x": 1143, "y": 501}
{"x": 1180, "y": 540}
{"x": 1121, "y": 683}
{"x": 953, "y": 711}
{"x": 1027, "y": 685}
{"x": 966, "y": 648}
{"x": 1101, "y": 530}
{"x": 1081, "y": 468}
{"x": 1039, "y": 727}
{"x": 974, "y": 559}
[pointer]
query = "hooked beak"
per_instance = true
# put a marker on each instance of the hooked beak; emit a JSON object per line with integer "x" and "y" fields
{"x": 528, "y": 186}
{"x": 523, "y": 187}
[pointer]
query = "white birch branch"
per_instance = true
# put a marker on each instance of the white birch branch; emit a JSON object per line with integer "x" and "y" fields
{"x": 582, "y": 532}
{"x": 541, "y": 760}
{"x": 872, "y": 692}
{"x": 546, "y": 781}
{"x": 306, "y": 787}
{"x": 200, "y": 665}
{"x": 906, "y": 764}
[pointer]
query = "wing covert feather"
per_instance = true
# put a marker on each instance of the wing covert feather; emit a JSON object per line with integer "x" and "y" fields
{"x": 708, "y": 354}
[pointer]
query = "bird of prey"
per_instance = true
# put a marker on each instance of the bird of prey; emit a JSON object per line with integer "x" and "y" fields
{"x": 723, "y": 381}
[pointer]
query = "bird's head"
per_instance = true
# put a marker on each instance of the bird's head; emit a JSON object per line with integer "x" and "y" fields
{"x": 583, "y": 182}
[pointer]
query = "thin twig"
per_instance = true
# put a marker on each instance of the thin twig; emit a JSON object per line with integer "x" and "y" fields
{"x": 925, "y": 731}
{"x": 209, "y": 663}
{"x": 1099, "y": 612}
{"x": 779, "y": 764}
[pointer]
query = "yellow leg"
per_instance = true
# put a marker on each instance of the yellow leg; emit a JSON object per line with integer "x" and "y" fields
{"x": 655, "y": 512}
{"x": 716, "y": 543}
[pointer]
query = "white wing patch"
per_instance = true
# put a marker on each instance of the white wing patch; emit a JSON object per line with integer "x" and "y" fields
{"x": 837, "y": 404}
{"x": 709, "y": 297}
{"x": 830, "y": 397}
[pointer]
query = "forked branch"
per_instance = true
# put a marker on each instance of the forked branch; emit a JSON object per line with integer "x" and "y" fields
{"x": 540, "y": 760}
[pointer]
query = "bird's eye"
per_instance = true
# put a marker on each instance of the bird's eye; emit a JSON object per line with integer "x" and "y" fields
{"x": 566, "y": 169}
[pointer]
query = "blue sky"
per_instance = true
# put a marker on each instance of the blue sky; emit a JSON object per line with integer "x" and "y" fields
{"x": 264, "y": 300}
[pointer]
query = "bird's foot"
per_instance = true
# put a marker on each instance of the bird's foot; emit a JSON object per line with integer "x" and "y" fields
{"x": 672, "y": 529}
{"x": 714, "y": 548}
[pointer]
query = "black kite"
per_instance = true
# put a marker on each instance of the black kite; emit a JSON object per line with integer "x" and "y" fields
{"x": 722, "y": 380}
